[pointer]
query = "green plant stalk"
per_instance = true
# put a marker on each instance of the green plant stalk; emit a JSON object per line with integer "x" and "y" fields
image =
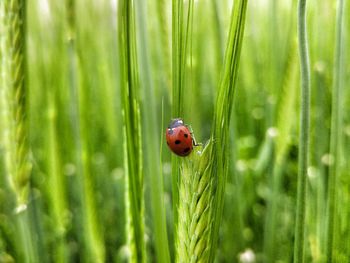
{"x": 177, "y": 56}
{"x": 162, "y": 22}
{"x": 14, "y": 134}
{"x": 203, "y": 176}
{"x": 218, "y": 33}
{"x": 194, "y": 207}
{"x": 93, "y": 241}
{"x": 55, "y": 179}
{"x": 151, "y": 134}
{"x": 304, "y": 134}
{"x": 279, "y": 148}
{"x": 180, "y": 42}
{"x": 186, "y": 45}
{"x": 194, "y": 241}
{"x": 336, "y": 133}
{"x": 272, "y": 78}
{"x": 14, "y": 131}
{"x": 56, "y": 182}
{"x": 222, "y": 115}
{"x": 92, "y": 234}
{"x": 319, "y": 142}
{"x": 25, "y": 235}
{"x": 132, "y": 131}
{"x": 177, "y": 91}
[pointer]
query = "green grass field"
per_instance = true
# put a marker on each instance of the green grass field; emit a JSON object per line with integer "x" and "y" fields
{"x": 88, "y": 88}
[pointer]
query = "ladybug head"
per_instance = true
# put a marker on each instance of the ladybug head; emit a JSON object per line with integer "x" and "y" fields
{"x": 176, "y": 123}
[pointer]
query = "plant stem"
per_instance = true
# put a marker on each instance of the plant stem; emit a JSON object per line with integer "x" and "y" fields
{"x": 93, "y": 240}
{"x": 304, "y": 133}
{"x": 56, "y": 182}
{"x": 194, "y": 220}
{"x": 222, "y": 116}
{"x": 153, "y": 170}
{"x": 13, "y": 97}
{"x": 132, "y": 131}
{"x": 336, "y": 134}
{"x": 176, "y": 108}
{"x": 180, "y": 41}
{"x": 14, "y": 134}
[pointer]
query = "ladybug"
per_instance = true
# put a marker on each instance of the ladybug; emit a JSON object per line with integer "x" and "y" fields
{"x": 179, "y": 138}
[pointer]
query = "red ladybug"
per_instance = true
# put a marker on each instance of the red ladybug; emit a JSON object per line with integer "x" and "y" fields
{"x": 179, "y": 138}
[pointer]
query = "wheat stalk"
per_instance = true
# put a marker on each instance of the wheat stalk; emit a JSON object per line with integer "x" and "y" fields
{"x": 203, "y": 177}
{"x": 13, "y": 93}
{"x": 14, "y": 132}
{"x": 336, "y": 135}
{"x": 304, "y": 133}
{"x": 133, "y": 160}
{"x": 195, "y": 197}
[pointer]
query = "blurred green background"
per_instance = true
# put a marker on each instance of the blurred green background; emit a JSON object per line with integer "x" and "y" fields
{"x": 76, "y": 128}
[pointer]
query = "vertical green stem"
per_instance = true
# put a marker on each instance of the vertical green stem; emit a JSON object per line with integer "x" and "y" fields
{"x": 222, "y": 117}
{"x": 25, "y": 237}
{"x": 304, "y": 133}
{"x": 93, "y": 241}
{"x": 181, "y": 36}
{"x": 176, "y": 95}
{"x": 14, "y": 133}
{"x": 56, "y": 183}
{"x": 336, "y": 134}
{"x": 194, "y": 220}
{"x": 151, "y": 134}
{"x": 13, "y": 98}
{"x": 132, "y": 131}
{"x": 178, "y": 55}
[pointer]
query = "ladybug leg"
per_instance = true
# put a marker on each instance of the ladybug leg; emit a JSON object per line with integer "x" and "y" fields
{"x": 195, "y": 142}
{"x": 192, "y": 135}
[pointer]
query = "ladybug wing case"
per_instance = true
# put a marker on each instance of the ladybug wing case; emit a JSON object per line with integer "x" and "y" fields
{"x": 179, "y": 140}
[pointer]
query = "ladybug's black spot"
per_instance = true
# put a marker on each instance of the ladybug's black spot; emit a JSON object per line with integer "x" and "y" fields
{"x": 187, "y": 149}
{"x": 170, "y": 131}
{"x": 167, "y": 143}
{"x": 177, "y": 142}
{"x": 186, "y": 135}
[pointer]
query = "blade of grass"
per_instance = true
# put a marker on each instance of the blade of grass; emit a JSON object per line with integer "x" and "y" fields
{"x": 304, "y": 133}
{"x": 218, "y": 32}
{"x": 223, "y": 108}
{"x": 177, "y": 58}
{"x": 202, "y": 184}
{"x": 165, "y": 57}
{"x": 336, "y": 134}
{"x": 151, "y": 134}
{"x": 286, "y": 110}
{"x": 132, "y": 131}
{"x": 56, "y": 182}
{"x": 177, "y": 108}
{"x": 180, "y": 44}
{"x": 319, "y": 127}
{"x": 92, "y": 238}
